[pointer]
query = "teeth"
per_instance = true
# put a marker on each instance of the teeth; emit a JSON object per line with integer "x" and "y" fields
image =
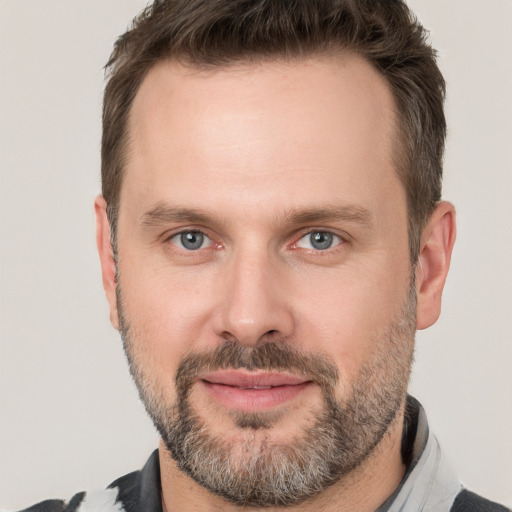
{"x": 259, "y": 387}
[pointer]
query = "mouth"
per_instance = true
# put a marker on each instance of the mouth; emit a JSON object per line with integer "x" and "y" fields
{"x": 250, "y": 391}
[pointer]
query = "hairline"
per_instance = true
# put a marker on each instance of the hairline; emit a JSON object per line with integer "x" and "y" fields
{"x": 400, "y": 157}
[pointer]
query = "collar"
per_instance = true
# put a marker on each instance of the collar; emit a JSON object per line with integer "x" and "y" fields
{"x": 428, "y": 484}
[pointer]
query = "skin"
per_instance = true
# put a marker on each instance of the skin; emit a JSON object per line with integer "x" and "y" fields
{"x": 252, "y": 147}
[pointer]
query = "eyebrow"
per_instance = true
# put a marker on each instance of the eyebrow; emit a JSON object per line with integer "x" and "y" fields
{"x": 166, "y": 214}
{"x": 334, "y": 213}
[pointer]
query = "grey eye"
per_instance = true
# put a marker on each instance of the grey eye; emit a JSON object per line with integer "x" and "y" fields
{"x": 191, "y": 240}
{"x": 319, "y": 240}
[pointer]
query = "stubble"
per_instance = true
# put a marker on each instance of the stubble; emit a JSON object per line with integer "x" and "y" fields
{"x": 259, "y": 471}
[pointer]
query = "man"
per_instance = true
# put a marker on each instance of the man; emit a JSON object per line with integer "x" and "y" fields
{"x": 271, "y": 236}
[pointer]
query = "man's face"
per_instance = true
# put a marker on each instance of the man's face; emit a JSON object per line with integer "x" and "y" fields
{"x": 265, "y": 290}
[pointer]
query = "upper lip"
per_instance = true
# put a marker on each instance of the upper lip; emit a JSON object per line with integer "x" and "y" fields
{"x": 251, "y": 379}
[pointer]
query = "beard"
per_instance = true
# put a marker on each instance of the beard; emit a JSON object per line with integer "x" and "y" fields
{"x": 257, "y": 470}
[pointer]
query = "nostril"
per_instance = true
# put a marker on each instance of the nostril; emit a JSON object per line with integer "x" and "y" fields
{"x": 272, "y": 334}
{"x": 227, "y": 336}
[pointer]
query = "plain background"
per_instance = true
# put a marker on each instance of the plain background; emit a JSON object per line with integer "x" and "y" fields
{"x": 70, "y": 419}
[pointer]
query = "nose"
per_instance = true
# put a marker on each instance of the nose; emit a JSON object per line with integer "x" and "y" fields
{"x": 254, "y": 303}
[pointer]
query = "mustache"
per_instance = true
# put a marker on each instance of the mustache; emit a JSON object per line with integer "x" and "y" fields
{"x": 270, "y": 356}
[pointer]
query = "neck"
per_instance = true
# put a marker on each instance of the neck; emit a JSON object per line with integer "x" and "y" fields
{"x": 362, "y": 490}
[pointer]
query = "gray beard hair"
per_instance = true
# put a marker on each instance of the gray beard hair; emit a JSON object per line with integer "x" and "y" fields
{"x": 258, "y": 472}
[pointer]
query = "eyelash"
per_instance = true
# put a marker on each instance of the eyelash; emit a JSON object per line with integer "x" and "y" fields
{"x": 342, "y": 240}
{"x": 191, "y": 231}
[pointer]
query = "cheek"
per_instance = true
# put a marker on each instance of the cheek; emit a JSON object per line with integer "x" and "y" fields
{"x": 166, "y": 316}
{"x": 346, "y": 320}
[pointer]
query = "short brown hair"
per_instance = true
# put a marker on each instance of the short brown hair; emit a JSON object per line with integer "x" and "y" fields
{"x": 216, "y": 33}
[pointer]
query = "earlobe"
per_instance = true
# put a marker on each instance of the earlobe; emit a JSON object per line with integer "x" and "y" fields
{"x": 437, "y": 243}
{"x": 108, "y": 266}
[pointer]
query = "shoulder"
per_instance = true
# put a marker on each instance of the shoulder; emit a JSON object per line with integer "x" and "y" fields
{"x": 134, "y": 492}
{"x": 467, "y": 501}
{"x": 100, "y": 501}
{"x": 57, "y": 505}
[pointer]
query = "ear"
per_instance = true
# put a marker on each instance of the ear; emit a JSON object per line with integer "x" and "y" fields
{"x": 434, "y": 261}
{"x": 108, "y": 266}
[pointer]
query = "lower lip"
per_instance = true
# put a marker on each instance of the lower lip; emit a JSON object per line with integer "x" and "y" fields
{"x": 253, "y": 399}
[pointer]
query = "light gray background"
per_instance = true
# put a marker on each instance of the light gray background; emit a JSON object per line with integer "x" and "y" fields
{"x": 69, "y": 415}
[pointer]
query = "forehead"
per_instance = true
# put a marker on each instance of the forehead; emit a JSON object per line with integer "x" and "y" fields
{"x": 251, "y": 125}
